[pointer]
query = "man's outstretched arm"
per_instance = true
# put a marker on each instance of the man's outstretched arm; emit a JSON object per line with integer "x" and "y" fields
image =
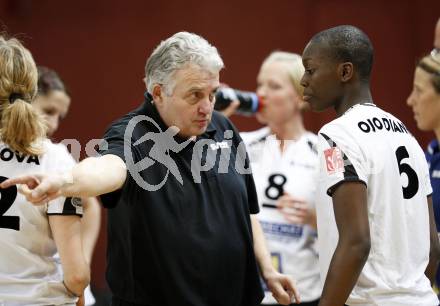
{"x": 91, "y": 177}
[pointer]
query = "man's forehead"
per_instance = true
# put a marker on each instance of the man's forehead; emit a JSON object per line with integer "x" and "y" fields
{"x": 197, "y": 77}
{"x": 197, "y": 72}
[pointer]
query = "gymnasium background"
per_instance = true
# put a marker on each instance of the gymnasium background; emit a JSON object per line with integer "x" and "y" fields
{"x": 100, "y": 48}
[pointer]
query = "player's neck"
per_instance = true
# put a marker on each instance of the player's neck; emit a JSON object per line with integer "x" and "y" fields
{"x": 359, "y": 96}
{"x": 290, "y": 130}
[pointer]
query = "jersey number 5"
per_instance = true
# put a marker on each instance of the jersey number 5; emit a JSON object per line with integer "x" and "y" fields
{"x": 413, "y": 181}
{"x": 7, "y": 198}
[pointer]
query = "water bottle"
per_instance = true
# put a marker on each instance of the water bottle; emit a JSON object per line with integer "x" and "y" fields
{"x": 249, "y": 103}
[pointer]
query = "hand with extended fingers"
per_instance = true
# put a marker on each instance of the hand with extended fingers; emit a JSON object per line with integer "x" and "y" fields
{"x": 40, "y": 188}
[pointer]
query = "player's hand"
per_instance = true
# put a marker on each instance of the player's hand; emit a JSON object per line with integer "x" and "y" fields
{"x": 81, "y": 301}
{"x": 38, "y": 188}
{"x": 296, "y": 210}
{"x": 230, "y": 110}
{"x": 282, "y": 287}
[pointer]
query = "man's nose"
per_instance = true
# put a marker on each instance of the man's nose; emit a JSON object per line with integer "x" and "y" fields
{"x": 206, "y": 106}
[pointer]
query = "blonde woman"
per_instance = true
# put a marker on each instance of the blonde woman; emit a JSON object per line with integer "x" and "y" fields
{"x": 284, "y": 165}
{"x": 31, "y": 235}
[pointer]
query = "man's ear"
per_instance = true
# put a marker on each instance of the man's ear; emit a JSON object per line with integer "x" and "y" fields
{"x": 345, "y": 71}
{"x": 157, "y": 94}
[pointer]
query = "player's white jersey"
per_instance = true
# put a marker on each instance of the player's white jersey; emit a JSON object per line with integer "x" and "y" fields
{"x": 28, "y": 270}
{"x": 294, "y": 171}
{"x": 372, "y": 146}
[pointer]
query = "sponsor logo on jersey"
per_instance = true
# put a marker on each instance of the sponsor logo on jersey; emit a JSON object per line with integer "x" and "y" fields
{"x": 302, "y": 165}
{"x": 333, "y": 160}
{"x": 219, "y": 145}
{"x": 279, "y": 229}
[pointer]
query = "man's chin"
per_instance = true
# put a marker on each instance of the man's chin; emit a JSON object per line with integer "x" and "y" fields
{"x": 193, "y": 132}
{"x": 200, "y": 130}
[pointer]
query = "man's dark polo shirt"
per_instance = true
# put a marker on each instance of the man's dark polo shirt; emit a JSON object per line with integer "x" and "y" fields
{"x": 183, "y": 244}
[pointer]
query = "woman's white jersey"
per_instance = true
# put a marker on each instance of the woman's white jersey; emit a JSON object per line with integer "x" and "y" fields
{"x": 28, "y": 269}
{"x": 292, "y": 246}
{"x": 371, "y": 146}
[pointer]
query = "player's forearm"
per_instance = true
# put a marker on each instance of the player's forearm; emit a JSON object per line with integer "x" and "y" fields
{"x": 346, "y": 265}
{"x": 66, "y": 231}
{"x": 260, "y": 249}
{"x": 94, "y": 176}
{"x": 90, "y": 226}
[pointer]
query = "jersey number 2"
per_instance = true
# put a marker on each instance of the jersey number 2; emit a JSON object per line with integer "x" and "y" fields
{"x": 7, "y": 198}
{"x": 413, "y": 181}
